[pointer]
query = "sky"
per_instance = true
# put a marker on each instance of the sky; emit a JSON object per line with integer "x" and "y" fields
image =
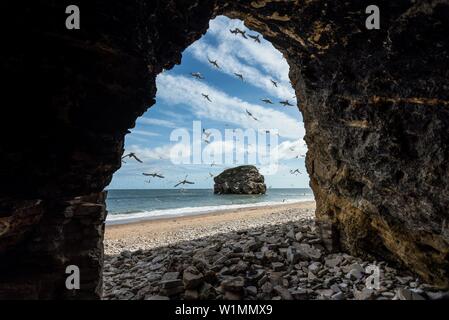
{"x": 239, "y": 128}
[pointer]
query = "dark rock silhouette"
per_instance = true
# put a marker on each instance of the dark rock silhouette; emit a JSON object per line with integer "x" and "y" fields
{"x": 240, "y": 180}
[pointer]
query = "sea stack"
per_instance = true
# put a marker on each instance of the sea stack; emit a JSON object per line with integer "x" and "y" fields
{"x": 240, "y": 180}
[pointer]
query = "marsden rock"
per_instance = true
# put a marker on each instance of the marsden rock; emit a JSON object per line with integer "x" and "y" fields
{"x": 240, "y": 180}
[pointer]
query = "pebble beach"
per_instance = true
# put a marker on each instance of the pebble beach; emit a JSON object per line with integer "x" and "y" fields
{"x": 264, "y": 253}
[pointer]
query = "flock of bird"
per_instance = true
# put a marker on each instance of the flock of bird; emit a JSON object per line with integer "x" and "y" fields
{"x": 154, "y": 174}
{"x": 206, "y": 134}
{"x": 214, "y": 63}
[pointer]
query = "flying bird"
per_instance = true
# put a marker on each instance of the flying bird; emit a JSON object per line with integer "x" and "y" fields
{"x": 238, "y": 75}
{"x": 286, "y": 103}
{"x": 251, "y": 115}
{"x": 254, "y": 37}
{"x": 274, "y": 83}
{"x": 238, "y": 31}
{"x": 267, "y": 101}
{"x": 206, "y": 96}
{"x": 214, "y": 63}
{"x": 211, "y": 175}
{"x": 183, "y": 182}
{"x": 295, "y": 171}
{"x": 132, "y": 155}
{"x": 197, "y": 75}
{"x": 207, "y": 141}
{"x": 207, "y": 134}
{"x": 154, "y": 175}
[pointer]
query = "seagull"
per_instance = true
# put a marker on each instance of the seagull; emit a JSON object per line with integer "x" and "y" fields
{"x": 213, "y": 164}
{"x": 207, "y": 141}
{"x": 286, "y": 103}
{"x": 132, "y": 155}
{"x": 292, "y": 149}
{"x": 197, "y": 75}
{"x": 255, "y": 38}
{"x": 207, "y": 134}
{"x": 237, "y": 31}
{"x": 183, "y": 182}
{"x": 206, "y": 96}
{"x": 295, "y": 171}
{"x": 214, "y": 63}
{"x": 274, "y": 83}
{"x": 251, "y": 115}
{"x": 238, "y": 75}
{"x": 211, "y": 175}
{"x": 267, "y": 101}
{"x": 154, "y": 175}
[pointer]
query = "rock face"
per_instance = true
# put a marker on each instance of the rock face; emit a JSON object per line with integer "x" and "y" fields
{"x": 375, "y": 105}
{"x": 240, "y": 180}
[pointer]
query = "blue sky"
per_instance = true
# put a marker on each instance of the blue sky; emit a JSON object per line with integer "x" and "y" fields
{"x": 179, "y": 104}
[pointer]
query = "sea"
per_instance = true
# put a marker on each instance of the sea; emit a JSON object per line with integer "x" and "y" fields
{"x": 126, "y": 206}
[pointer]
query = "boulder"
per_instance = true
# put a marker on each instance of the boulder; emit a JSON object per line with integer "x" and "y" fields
{"x": 240, "y": 180}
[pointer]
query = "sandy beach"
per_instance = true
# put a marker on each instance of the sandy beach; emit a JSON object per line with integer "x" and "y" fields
{"x": 154, "y": 233}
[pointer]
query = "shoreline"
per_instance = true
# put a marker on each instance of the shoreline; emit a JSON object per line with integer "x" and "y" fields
{"x": 139, "y": 217}
{"x": 153, "y": 233}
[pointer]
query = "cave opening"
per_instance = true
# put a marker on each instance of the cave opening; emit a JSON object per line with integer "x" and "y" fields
{"x": 229, "y": 100}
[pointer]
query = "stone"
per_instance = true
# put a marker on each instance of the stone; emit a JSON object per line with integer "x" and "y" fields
{"x": 170, "y": 283}
{"x": 308, "y": 252}
{"x": 235, "y": 284}
{"x": 232, "y": 295}
{"x": 406, "y": 294}
{"x": 356, "y": 272}
{"x": 333, "y": 262}
{"x": 251, "y": 290}
{"x": 192, "y": 278}
{"x": 190, "y": 294}
{"x": 170, "y": 276}
{"x": 293, "y": 256}
{"x": 364, "y": 294}
{"x": 206, "y": 292}
{"x": 277, "y": 266}
{"x": 240, "y": 180}
{"x": 157, "y": 297}
{"x": 299, "y": 236}
{"x": 300, "y": 294}
{"x": 283, "y": 293}
{"x": 314, "y": 267}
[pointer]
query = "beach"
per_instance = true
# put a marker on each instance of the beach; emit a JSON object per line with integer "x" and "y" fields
{"x": 165, "y": 231}
{"x": 258, "y": 253}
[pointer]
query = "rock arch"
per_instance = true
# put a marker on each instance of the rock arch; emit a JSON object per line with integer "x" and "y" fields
{"x": 375, "y": 107}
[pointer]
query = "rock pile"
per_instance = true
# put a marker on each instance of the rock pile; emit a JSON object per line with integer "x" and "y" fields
{"x": 240, "y": 180}
{"x": 272, "y": 262}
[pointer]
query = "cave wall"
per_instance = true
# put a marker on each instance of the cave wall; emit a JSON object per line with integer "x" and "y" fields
{"x": 374, "y": 102}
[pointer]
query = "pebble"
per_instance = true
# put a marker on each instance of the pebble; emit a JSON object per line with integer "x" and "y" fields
{"x": 275, "y": 260}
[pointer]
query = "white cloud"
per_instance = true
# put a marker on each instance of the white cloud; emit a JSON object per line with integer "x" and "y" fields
{"x": 145, "y": 133}
{"x": 156, "y": 122}
{"x": 224, "y": 108}
{"x": 236, "y": 54}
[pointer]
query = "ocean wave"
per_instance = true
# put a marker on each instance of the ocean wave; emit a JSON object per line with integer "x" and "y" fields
{"x": 188, "y": 211}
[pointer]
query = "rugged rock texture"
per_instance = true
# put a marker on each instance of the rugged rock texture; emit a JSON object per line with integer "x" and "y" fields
{"x": 375, "y": 107}
{"x": 240, "y": 180}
